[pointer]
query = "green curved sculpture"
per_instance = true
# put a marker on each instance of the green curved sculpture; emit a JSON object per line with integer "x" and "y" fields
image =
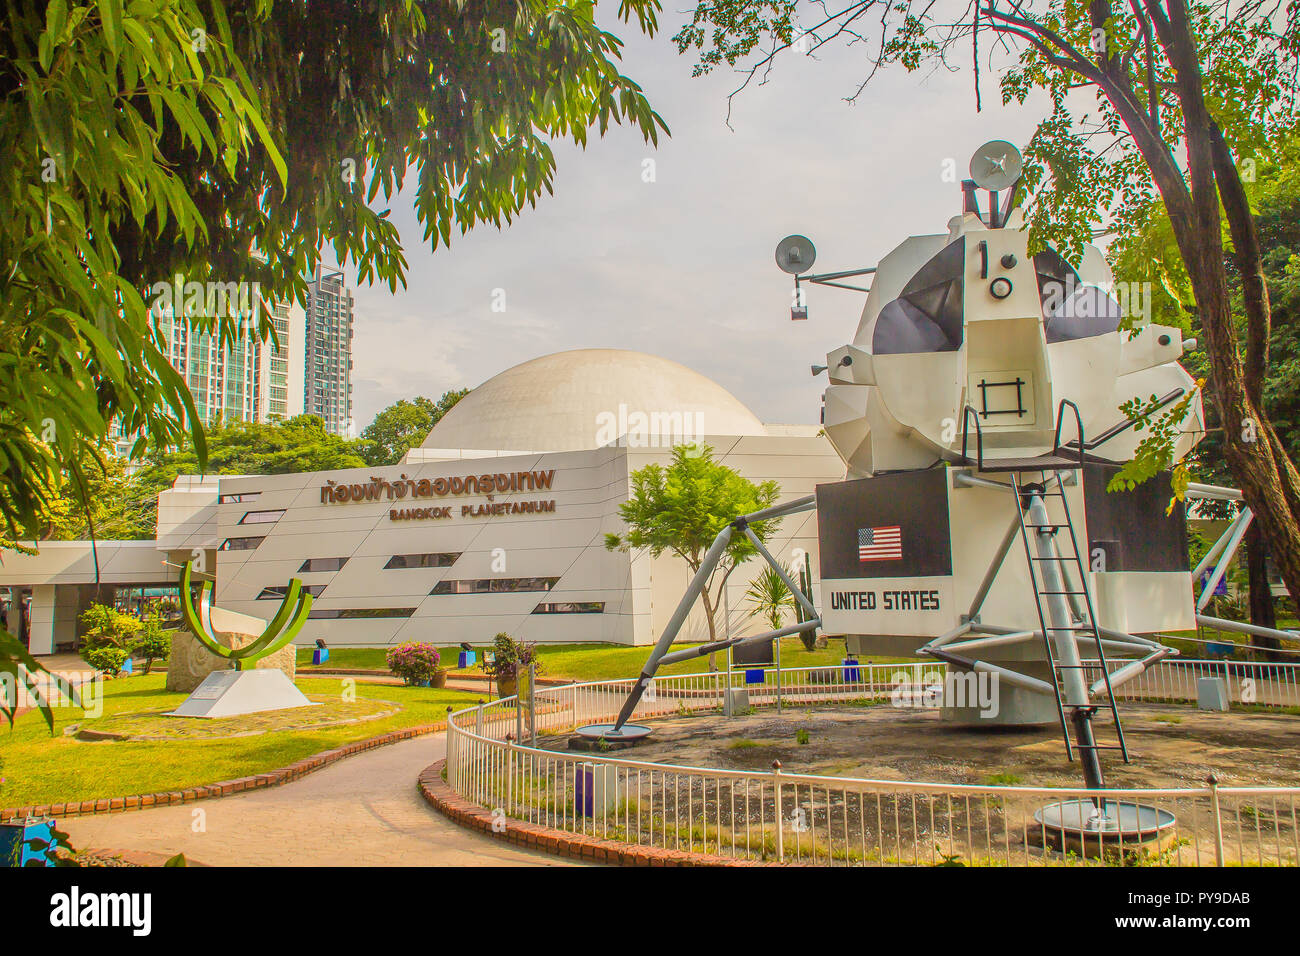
{"x": 289, "y": 619}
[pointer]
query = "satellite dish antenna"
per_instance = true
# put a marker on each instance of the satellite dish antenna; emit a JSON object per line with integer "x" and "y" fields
{"x": 795, "y": 254}
{"x": 996, "y": 165}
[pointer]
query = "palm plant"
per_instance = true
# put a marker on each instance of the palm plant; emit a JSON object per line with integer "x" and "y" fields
{"x": 769, "y": 598}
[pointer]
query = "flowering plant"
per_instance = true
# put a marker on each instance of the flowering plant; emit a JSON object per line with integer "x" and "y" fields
{"x": 414, "y": 662}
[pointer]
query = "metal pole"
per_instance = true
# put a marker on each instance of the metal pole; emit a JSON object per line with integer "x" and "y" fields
{"x": 1213, "y": 781}
{"x": 1013, "y": 531}
{"x": 1243, "y": 522}
{"x": 778, "y": 675}
{"x": 726, "y": 633}
{"x": 532, "y": 702}
{"x": 711, "y": 558}
{"x": 1067, "y": 651}
{"x": 781, "y": 572}
{"x": 780, "y": 811}
{"x": 519, "y": 710}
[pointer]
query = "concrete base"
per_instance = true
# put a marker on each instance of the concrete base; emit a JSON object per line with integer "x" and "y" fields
{"x": 1211, "y": 693}
{"x": 736, "y": 700}
{"x": 231, "y": 693}
{"x": 191, "y": 662}
{"x": 978, "y": 700}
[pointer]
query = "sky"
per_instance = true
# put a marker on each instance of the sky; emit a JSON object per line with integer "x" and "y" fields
{"x": 683, "y": 266}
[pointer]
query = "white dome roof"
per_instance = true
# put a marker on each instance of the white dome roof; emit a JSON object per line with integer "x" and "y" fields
{"x": 570, "y": 401}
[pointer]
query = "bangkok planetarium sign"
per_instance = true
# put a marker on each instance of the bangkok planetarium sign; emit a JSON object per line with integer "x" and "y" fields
{"x": 380, "y": 489}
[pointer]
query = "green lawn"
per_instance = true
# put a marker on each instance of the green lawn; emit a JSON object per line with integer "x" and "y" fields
{"x": 586, "y": 662}
{"x": 39, "y": 768}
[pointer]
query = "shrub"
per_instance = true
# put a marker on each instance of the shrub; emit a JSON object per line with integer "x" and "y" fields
{"x": 106, "y": 659}
{"x": 154, "y": 643}
{"x": 509, "y": 657}
{"x": 414, "y": 662}
{"x": 104, "y": 626}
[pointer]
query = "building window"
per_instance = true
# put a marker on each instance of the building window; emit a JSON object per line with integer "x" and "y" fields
{"x": 571, "y": 607}
{"x": 438, "y": 560}
{"x": 270, "y": 594}
{"x": 262, "y": 517}
{"x": 240, "y": 544}
{"x": 242, "y": 496}
{"x": 347, "y": 613}
{"x": 493, "y": 585}
{"x": 322, "y": 564}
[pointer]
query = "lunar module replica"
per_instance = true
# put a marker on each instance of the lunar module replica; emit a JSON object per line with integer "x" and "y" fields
{"x": 979, "y": 405}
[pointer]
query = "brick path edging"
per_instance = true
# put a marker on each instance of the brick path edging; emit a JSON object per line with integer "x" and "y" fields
{"x": 438, "y": 794}
{"x": 225, "y": 788}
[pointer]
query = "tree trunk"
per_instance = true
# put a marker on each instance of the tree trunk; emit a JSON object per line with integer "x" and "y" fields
{"x": 1261, "y": 594}
{"x": 708, "y": 616}
{"x": 1248, "y": 443}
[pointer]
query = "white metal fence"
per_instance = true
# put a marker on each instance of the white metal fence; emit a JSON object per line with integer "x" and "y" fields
{"x": 812, "y": 819}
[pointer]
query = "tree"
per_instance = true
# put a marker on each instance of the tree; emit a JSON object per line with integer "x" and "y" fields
{"x": 105, "y": 626}
{"x": 231, "y": 142}
{"x": 109, "y": 506}
{"x": 682, "y": 508}
{"x": 403, "y": 425}
{"x": 1215, "y": 81}
{"x": 295, "y": 445}
{"x": 154, "y": 643}
{"x": 769, "y": 598}
{"x": 1150, "y": 254}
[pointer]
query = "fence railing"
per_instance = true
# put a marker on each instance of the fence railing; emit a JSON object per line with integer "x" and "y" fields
{"x": 812, "y": 819}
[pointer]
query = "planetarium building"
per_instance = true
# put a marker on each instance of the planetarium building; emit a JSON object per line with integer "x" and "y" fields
{"x": 497, "y": 522}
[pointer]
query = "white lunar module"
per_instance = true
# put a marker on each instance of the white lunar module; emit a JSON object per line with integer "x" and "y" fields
{"x": 979, "y": 404}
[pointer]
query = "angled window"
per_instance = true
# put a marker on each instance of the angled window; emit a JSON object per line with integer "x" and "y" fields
{"x": 243, "y": 496}
{"x": 322, "y": 564}
{"x": 443, "y": 559}
{"x": 240, "y": 544}
{"x": 350, "y": 613}
{"x": 493, "y": 585}
{"x": 1072, "y": 308}
{"x": 927, "y": 315}
{"x": 262, "y": 517}
{"x": 269, "y": 594}
{"x": 571, "y": 607}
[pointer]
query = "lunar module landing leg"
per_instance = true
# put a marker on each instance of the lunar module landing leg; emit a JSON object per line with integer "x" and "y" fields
{"x": 1066, "y": 615}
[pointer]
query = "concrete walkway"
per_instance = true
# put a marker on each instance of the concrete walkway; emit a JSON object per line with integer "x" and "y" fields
{"x": 362, "y": 811}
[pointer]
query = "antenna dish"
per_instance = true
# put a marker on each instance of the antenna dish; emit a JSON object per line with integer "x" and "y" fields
{"x": 996, "y": 165}
{"x": 795, "y": 254}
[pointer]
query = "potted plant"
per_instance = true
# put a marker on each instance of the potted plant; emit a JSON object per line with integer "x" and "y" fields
{"x": 510, "y": 658}
{"x": 418, "y": 664}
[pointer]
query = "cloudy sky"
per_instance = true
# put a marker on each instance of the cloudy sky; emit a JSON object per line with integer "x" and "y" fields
{"x": 683, "y": 266}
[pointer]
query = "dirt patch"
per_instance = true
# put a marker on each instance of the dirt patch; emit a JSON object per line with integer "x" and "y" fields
{"x": 1170, "y": 747}
{"x": 155, "y": 725}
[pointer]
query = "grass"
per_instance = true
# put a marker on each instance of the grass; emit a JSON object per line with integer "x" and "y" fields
{"x": 38, "y": 768}
{"x": 1004, "y": 779}
{"x": 588, "y": 662}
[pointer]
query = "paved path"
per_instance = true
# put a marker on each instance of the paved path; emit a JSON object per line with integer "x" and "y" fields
{"x": 362, "y": 811}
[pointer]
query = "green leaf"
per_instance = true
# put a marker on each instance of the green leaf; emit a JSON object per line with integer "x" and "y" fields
{"x": 110, "y": 17}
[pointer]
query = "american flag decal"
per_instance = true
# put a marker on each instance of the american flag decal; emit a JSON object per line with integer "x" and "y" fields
{"x": 880, "y": 544}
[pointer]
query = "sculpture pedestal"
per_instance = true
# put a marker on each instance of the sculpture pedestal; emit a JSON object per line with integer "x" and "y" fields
{"x": 231, "y": 693}
{"x": 191, "y": 662}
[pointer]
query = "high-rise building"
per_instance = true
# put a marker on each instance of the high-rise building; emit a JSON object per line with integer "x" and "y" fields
{"x": 328, "y": 353}
{"x": 246, "y": 380}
